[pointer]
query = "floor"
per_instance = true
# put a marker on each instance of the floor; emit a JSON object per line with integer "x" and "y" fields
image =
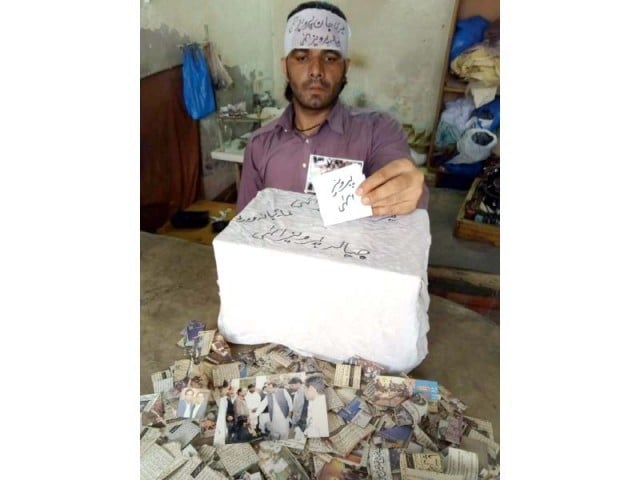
{"x": 451, "y": 252}
{"x": 446, "y": 249}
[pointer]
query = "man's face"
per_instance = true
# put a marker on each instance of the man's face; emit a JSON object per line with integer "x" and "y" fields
{"x": 252, "y": 389}
{"x": 315, "y": 76}
{"x": 269, "y": 389}
{"x": 295, "y": 386}
{"x": 310, "y": 392}
{"x": 188, "y": 396}
{"x": 200, "y": 397}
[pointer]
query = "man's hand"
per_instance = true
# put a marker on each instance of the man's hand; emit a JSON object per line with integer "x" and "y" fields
{"x": 395, "y": 189}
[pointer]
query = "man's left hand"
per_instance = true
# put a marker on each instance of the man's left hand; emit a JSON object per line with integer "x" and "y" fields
{"x": 395, "y": 189}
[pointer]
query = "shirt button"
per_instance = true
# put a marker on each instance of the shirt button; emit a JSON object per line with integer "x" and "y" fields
{"x": 304, "y": 165}
{"x": 306, "y": 141}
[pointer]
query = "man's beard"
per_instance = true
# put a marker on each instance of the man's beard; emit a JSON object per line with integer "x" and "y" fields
{"x": 315, "y": 103}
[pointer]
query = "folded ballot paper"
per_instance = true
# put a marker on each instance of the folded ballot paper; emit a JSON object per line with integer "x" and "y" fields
{"x": 355, "y": 288}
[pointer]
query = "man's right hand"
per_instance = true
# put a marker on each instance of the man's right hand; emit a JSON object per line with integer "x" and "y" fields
{"x": 395, "y": 189}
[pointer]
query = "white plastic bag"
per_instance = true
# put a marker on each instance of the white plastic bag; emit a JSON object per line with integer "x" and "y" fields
{"x": 453, "y": 120}
{"x": 457, "y": 112}
{"x": 474, "y": 146}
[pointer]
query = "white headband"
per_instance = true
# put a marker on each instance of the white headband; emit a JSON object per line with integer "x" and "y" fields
{"x": 317, "y": 28}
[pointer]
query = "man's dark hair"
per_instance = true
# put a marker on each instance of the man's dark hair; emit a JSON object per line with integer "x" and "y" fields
{"x": 295, "y": 380}
{"x": 321, "y": 5}
{"x": 288, "y": 93}
{"x": 315, "y": 381}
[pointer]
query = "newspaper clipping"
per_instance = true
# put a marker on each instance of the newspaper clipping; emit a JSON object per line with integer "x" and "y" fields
{"x": 272, "y": 413}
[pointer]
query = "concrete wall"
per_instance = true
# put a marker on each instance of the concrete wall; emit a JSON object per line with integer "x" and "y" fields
{"x": 237, "y": 30}
{"x": 397, "y": 51}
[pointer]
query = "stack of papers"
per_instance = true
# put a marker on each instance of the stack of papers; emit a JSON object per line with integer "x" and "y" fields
{"x": 272, "y": 414}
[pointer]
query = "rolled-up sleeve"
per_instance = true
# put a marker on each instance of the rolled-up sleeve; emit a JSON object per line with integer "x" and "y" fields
{"x": 389, "y": 142}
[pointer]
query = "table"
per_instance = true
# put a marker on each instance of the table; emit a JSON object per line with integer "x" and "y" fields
{"x": 236, "y": 156}
{"x": 233, "y": 150}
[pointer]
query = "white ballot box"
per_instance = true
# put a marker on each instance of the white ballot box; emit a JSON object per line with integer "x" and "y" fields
{"x": 356, "y": 288}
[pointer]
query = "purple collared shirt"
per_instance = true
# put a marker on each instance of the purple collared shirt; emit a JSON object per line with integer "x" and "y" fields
{"x": 277, "y": 156}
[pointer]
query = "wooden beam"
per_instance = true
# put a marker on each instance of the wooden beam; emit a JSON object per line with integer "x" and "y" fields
{"x": 478, "y": 279}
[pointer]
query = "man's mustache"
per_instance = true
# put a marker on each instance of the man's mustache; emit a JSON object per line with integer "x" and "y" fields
{"x": 315, "y": 83}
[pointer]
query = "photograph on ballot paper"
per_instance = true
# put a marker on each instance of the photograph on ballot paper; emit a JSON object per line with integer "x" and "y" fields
{"x": 319, "y": 164}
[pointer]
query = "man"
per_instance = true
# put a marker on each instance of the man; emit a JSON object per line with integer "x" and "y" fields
{"x": 279, "y": 405}
{"x": 253, "y": 400}
{"x": 225, "y": 419}
{"x": 241, "y": 414}
{"x": 317, "y": 420}
{"x": 200, "y": 407}
{"x": 185, "y": 405}
{"x": 231, "y": 408}
{"x": 315, "y": 66}
{"x": 299, "y": 410}
{"x": 240, "y": 406}
{"x": 243, "y": 432}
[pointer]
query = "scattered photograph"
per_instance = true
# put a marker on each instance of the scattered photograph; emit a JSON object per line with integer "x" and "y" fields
{"x": 151, "y": 409}
{"x": 428, "y": 389}
{"x": 278, "y": 463}
{"x": 431, "y": 461}
{"x": 396, "y": 437}
{"x": 358, "y": 457}
{"x": 349, "y": 411}
{"x": 370, "y": 370}
{"x": 208, "y": 424}
{"x": 347, "y": 376}
{"x": 394, "y": 458}
{"x": 336, "y": 469}
{"x": 289, "y": 407}
{"x": 392, "y": 391}
{"x": 193, "y": 403}
{"x": 219, "y": 352}
{"x": 200, "y": 381}
{"x": 205, "y": 341}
